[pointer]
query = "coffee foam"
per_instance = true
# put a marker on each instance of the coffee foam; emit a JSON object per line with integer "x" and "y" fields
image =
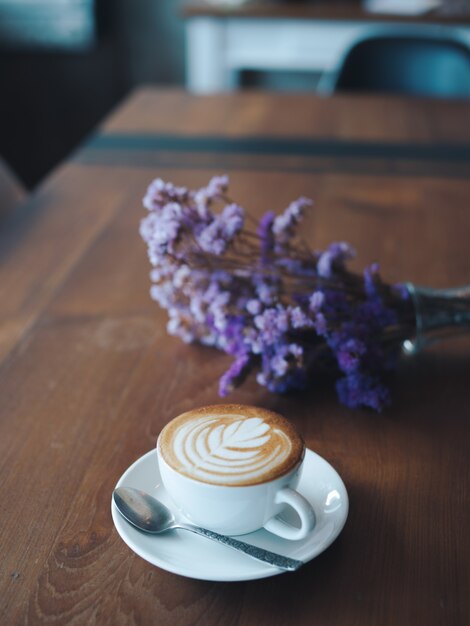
{"x": 231, "y": 445}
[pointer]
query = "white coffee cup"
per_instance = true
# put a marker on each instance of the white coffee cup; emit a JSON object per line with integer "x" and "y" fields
{"x": 239, "y": 509}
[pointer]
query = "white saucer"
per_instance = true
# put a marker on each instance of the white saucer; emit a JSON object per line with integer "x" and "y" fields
{"x": 184, "y": 553}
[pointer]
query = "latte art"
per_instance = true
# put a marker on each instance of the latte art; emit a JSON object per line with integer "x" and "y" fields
{"x": 231, "y": 445}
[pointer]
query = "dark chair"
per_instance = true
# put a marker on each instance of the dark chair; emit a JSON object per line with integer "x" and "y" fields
{"x": 406, "y": 65}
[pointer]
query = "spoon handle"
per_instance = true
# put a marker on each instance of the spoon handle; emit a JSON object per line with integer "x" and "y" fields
{"x": 283, "y": 562}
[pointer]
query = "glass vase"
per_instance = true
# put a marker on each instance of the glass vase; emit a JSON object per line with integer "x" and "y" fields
{"x": 440, "y": 314}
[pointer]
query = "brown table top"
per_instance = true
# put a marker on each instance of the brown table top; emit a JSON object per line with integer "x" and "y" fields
{"x": 88, "y": 375}
{"x": 337, "y": 10}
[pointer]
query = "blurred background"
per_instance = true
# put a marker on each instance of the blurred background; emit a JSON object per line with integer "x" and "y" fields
{"x": 64, "y": 64}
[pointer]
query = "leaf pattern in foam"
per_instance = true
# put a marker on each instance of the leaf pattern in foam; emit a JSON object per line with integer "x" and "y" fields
{"x": 249, "y": 434}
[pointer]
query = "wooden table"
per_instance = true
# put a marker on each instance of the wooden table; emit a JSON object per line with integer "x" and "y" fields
{"x": 88, "y": 375}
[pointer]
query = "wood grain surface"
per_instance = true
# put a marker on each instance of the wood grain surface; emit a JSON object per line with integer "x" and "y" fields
{"x": 88, "y": 375}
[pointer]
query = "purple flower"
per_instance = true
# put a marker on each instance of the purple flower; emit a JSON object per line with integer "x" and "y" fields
{"x": 219, "y": 310}
{"x": 371, "y": 279}
{"x": 218, "y": 186}
{"x": 267, "y": 324}
{"x": 211, "y": 239}
{"x": 362, "y": 390}
{"x": 349, "y": 355}
{"x": 160, "y": 193}
{"x": 263, "y": 298}
{"x": 161, "y": 230}
{"x": 252, "y": 340}
{"x": 163, "y": 294}
{"x": 217, "y": 236}
{"x": 198, "y": 308}
{"x": 181, "y": 276}
{"x": 334, "y": 258}
{"x": 234, "y": 375}
{"x": 279, "y": 365}
{"x": 299, "y": 319}
{"x": 316, "y": 301}
{"x": 266, "y": 292}
{"x": 179, "y": 325}
{"x": 284, "y": 225}
{"x": 275, "y": 319}
{"x": 321, "y": 325}
{"x": 232, "y": 220}
{"x": 254, "y": 306}
{"x": 265, "y": 234}
{"x": 205, "y": 197}
{"x": 296, "y": 351}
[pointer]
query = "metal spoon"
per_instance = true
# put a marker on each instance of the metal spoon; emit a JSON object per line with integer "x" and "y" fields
{"x": 151, "y": 516}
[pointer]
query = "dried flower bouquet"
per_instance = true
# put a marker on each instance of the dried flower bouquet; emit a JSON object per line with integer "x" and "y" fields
{"x": 256, "y": 291}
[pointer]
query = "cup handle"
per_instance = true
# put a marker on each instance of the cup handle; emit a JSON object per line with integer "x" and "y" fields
{"x": 303, "y": 509}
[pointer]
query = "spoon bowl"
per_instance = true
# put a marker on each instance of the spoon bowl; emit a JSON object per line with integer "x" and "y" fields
{"x": 143, "y": 510}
